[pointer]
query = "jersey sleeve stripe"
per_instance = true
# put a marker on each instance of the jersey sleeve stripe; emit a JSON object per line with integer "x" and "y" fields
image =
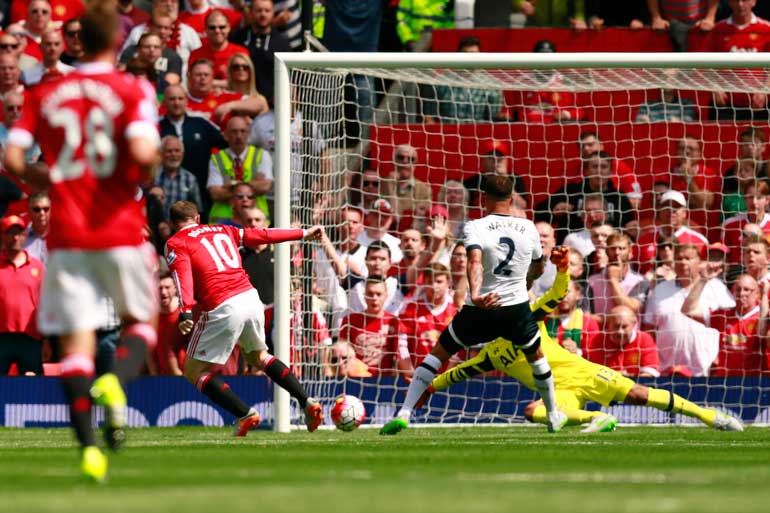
{"x": 143, "y": 129}
{"x": 21, "y": 138}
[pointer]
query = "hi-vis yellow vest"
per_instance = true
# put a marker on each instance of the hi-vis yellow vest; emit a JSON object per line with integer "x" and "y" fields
{"x": 225, "y": 165}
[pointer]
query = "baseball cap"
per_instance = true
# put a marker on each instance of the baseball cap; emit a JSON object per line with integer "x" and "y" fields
{"x": 382, "y": 205}
{"x": 12, "y": 220}
{"x": 544, "y": 46}
{"x": 675, "y": 196}
{"x": 498, "y": 147}
{"x": 718, "y": 246}
{"x": 439, "y": 210}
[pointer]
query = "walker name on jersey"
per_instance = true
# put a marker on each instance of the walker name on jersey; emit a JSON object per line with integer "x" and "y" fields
{"x": 98, "y": 92}
{"x": 507, "y": 224}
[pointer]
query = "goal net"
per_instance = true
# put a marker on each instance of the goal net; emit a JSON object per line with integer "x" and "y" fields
{"x": 653, "y": 153}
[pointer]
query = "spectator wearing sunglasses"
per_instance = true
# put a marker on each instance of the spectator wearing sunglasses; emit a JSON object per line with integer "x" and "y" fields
{"x": 216, "y": 48}
{"x": 73, "y": 47}
{"x": 409, "y": 192}
{"x": 61, "y": 10}
{"x": 37, "y": 230}
{"x": 37, "y": 22}
{"x": 13, "y": 43}
{"x": 196, "y": 15}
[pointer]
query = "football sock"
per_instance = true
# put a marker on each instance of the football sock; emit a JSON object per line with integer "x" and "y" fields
{"x": 285, "y": 378}
{"x": 575, "y": 415}
{"x": 221, "y": 393}
{"x": 131, "y": 353}
{"x": 666, "y": 401}
{"x": 541, "y": 371}
{"x": 77, "y": 373}
{"x": 423, "y": 376}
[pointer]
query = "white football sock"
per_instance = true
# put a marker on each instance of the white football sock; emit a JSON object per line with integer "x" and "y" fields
{"x": 541, "y": 371}
{"x": 422, "y": 378}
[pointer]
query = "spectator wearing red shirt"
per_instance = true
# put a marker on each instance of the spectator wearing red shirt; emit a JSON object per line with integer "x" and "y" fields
{"x": 757, "y": 196}
{"x": 701, "y": 185}
{"x": 204, "y": 100}
{"x": 216, "y": 48}
{"x": 10, "y": 77}
{"x": 755, "y": 257}
{"x": 21, "y": 276}
{"x": 624, "y": 347}
{"x": 743, "y": 31}
{"x": 424, "y": 317}
{"x": 131, "y": 15}
{"x": 197, "y": 13}
{"x": 740, "y": 350}
{"x": 61, "y": 10}
{"x": 168, "y": 356}
{"x": 370, "y": 336}
{"x": 38, "y": 21}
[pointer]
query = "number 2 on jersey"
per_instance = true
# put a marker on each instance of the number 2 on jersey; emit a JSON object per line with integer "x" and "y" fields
{"x": 501, "y": 267}
{"x": 99, "y": 150}
{"x": 222, "y": 251}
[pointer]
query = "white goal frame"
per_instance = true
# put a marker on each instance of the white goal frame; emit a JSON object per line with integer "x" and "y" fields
{"x": 285, "y": 62}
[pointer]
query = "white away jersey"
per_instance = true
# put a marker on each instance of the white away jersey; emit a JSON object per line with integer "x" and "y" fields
{"x": 508, "y": 244}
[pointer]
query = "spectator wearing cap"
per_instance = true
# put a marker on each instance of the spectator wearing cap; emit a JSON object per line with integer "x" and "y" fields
{"x": 377, "y": 223}
{"x": 740, "y": 349}
{"x": 554, "y": 104}
{"x": 562, "y": 209}
{"x": 21, "y": 276}
{"x": 463, "y": 104}
{"x": 617, "y": 285}
{"x": 37, "y": 231}
{"x": 757, "y": 197}
{"x": 685, "y": 345}
{"x": 671, "y": 221}
{"x": 178, "y": 183}
{"x": 495, "y": 160}
{"x": 623, "y": 176}
{"x": 624, "y": 347}
{"x": 699, "y": 184}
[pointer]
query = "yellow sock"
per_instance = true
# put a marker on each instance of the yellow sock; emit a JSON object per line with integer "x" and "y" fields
{"x": 666, "y": 401}
{"x": 575, "y": 416}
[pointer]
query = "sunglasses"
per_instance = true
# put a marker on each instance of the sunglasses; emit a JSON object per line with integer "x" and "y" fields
{"x": 72, "y": 33}
{"x": 243, "y": 67}
{"x": 217, "y": 27}
{"x": 37, "y": 210}
{"x": 245, "y": 196}
{"x": 40, "y": 11}
{"x": 8, "y": 46}
{"x": 373, "y": 183}
{"x": 405, "y": 158}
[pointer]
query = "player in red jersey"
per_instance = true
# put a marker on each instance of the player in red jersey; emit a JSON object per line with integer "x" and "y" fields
{"x": 207, "y": 267}
{"x": 757, "y": 197}
{"x": 425, "y": 317}
{"x": 97, "y": 129}
{"x": 370, "y": 335}
{"x": 624, "y": 347}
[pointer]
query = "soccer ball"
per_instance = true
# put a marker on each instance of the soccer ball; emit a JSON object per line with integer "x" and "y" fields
{"x": 348, "y": 412}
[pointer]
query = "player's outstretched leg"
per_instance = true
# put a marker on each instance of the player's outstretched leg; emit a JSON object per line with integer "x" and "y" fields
{"x": 77, "y": 371}
{"x": 422, "y": 378}
{"x": 598, "y": 422}
{"x": 667, "y": 401}
{"x": 285, "y": 378}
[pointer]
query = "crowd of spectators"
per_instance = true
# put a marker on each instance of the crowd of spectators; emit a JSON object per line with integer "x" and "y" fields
{"x": 671, "y": 281}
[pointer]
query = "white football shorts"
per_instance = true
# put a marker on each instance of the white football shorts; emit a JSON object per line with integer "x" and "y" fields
{"x": 240, "y": 319}
{"x": 78, "y": 282}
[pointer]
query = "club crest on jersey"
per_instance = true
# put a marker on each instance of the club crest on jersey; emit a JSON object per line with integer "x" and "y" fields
{"x": 171, "y": 257}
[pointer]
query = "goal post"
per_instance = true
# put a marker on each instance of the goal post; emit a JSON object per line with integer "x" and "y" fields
{"x": 314, "y": 158}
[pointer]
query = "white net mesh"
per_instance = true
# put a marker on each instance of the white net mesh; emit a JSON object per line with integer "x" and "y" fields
{"x": 592, "y": 152}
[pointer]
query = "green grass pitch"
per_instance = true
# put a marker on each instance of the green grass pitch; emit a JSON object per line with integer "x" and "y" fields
{"x": 191, "y": 470}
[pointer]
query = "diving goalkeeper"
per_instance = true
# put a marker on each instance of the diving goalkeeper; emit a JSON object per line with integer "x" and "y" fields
{"x": 577, "y": 381}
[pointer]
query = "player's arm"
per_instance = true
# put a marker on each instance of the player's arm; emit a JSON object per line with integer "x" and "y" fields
{"x": 253, "y": 237}
{"x": 546, "y": 303}
{"x": 35, "y": 174}
{"x": 475, "y": 273}
{"x": 535, "y": 271}
{"x": 180, "y": 267}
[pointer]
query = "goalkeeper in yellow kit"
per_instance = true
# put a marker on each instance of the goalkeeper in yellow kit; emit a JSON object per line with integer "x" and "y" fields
{"x": 576, "y": 380}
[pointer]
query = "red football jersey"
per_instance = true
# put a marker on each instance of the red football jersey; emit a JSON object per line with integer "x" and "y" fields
{"x": 732, "y": 230}
{"x": 373, "y": 339}
{"x": 420, "y": 326}
{"x": 170, "y": 341}
{"x": 648, "y": 243}
{"x": 83, "y": 122}
{"x": 752, "y": 37}
{"x": 220, "y": 58}
{"x": 197, "y": 20}
{"x": 740, "y": 350}
{"x": 639, "y": 355}
{"x": 206, "y": 264}
{"x": 205, "y": 107}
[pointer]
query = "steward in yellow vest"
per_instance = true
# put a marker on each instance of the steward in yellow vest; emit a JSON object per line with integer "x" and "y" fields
{"x": 231, "y": 174}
